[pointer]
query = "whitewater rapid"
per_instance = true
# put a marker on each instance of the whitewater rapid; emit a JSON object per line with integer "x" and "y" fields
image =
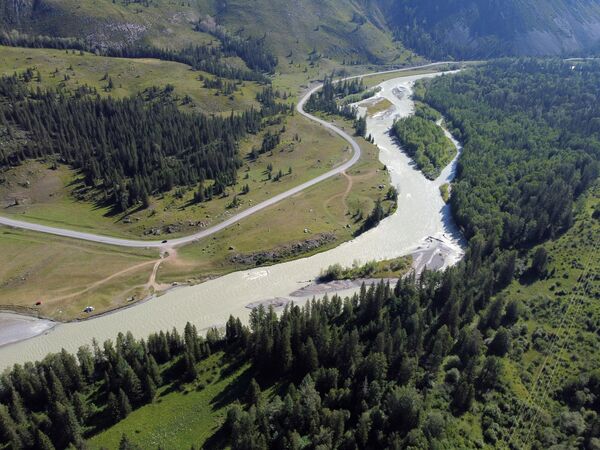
{"x": 422, "y": 220}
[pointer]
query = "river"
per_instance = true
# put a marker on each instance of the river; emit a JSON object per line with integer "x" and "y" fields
{"x": 421, "y": 225}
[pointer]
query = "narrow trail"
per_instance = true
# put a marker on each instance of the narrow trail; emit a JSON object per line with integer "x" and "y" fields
{"x": 152, "y": 283}
{"x": 171, "y": 254}
{"x": 134, "y": 243}
{"x": 343, "y": 195}
{"x": 104, "y": 280}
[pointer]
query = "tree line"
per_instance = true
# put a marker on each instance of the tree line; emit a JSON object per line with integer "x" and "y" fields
{"x": 57, "y": 402}
{"x": 251, "y": 50}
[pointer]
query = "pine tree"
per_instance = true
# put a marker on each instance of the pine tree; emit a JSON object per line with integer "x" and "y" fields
{"x": 254, "y": 393}
{"x": 149, "y": 389}
{"x": 124, "y": 405}
{"x": 81, "y": 407}
{"x": 126, "y": 444}
{"x": 153, "y": 370}
{"x": 190, "y": 370}
{"x": 43, "y": 442}
{"x": 71, "y": 427}
{"x": 132, "y": 386}
{"x": 8, "y": 429}
{"x": 16, "y": 408}
{"x": 113, "y": 409}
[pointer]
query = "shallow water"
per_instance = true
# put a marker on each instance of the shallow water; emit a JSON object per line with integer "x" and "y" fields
{"x": 421, "y": 214}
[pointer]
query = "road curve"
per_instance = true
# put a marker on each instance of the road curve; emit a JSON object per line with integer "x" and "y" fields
{"x": 237, "y": 217}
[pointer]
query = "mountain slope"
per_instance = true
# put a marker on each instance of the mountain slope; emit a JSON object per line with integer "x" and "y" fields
{"x": 340, "y": 29}
{"x": 366, "y": 31}
{"x": 484, "y": 28}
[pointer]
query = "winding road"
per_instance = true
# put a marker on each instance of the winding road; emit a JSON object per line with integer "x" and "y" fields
{"x": 236, "y": 218}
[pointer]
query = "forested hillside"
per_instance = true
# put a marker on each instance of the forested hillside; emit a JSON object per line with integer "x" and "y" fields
{"x": 426, "y": 143}
{"x": 483, "y": 29}
{"x": 531, "y": 138}
{"x": 328, "y": 29}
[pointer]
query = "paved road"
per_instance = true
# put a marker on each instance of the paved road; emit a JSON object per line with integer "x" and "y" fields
{"x": 233, "y": 219}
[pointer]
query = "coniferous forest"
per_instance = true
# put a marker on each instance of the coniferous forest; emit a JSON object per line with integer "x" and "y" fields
{"x": 394, "y": 366}
{"x": 531, "y": 135}
{"x": 426, "y": 143}
{"x": 126, "y": 148}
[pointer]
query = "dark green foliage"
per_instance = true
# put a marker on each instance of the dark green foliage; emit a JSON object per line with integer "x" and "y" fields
{"x": 360, "y": 126}
{"x": 531, "y": 140}
{"x": 43, "y": 442}
{"x": 126, "y": 147}
{"x": 270, "y": 101}
{"x": 53, "y": 396}
{"x": 426, "y": 143}
{"x": 126, "y": 444}
{"x": 539, "y": 264}
{"x": 253, "y": 394}
{"x": 325, "y": 98}
{"x": 376, "y": 216}
{"x": 500, "y": 345}
{"x": 251, "y": 50}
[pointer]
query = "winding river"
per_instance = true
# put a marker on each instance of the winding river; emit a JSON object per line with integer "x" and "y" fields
{"x": 422, "y": 225}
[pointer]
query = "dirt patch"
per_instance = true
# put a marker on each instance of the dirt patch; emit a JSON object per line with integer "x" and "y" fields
{"x": 319, "y": 289}
{"x": 28, "y": 184}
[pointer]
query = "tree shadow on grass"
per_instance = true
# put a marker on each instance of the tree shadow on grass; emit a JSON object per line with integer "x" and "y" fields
{"x": 218, "y": 440}
{"x": 233, "y": 391}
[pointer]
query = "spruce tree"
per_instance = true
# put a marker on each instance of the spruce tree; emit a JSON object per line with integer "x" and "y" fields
{"x": 149, "y": 389}
{"x": 8, "y": 429}
{"x": 43, "y": 442}
{"x": 124, "y": 405}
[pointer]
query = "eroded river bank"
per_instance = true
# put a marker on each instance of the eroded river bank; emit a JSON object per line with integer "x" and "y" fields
{"x": 422, "y": 225}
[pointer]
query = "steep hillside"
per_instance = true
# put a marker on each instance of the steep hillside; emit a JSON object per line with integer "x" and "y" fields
{"x": 344, "y": 30}
{"x": 341, "y": 29}
{"x": 299, "y": 29}
{"x": 485, "y": 28}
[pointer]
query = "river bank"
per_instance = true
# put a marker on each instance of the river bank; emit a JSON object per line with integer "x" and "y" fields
{"x": 421, "y": 224}
{"x": 18, "y": 327}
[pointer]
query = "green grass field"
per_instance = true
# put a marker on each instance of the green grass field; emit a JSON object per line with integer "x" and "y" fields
{"x": 183, "y": 416}
{"x": 66, "y": 275}
{"x": 327, "y": 207}
{"x": 565, "y": 297}
{"x": 70, "y": 70}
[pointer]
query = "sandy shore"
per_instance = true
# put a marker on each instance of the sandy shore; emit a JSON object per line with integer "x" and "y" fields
{"x": 17, "y": 327}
